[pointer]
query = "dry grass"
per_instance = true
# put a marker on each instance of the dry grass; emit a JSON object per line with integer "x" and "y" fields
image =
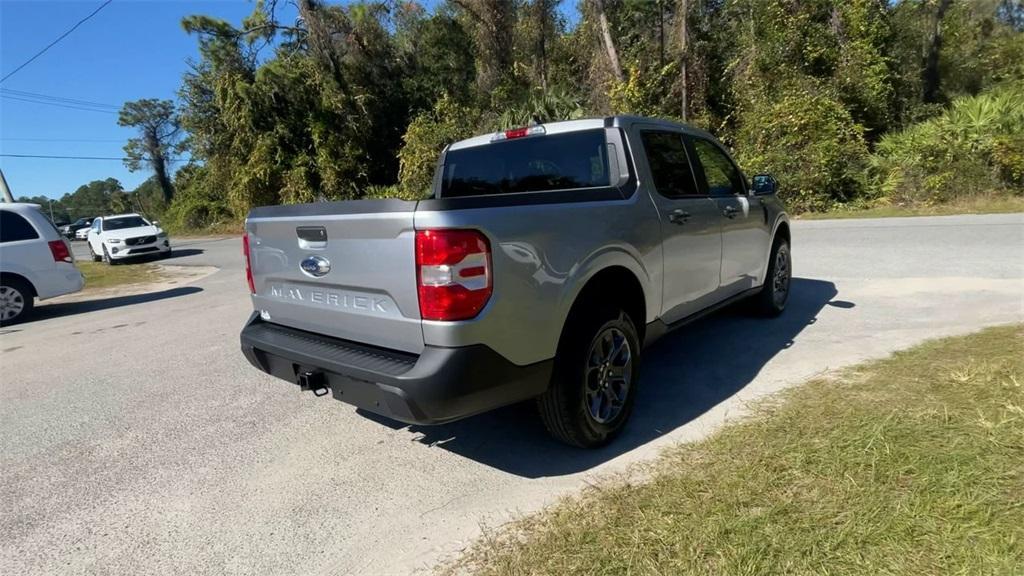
{"x": 973, "y": 205}
{"x": 909, "y": 465}
{"x": 101, "y": 275}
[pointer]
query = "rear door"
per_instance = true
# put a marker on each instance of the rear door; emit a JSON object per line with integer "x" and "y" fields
{"x": 745, "y": 232}
{"x": 343, "y": 269}
{"x": 691, "y": 237}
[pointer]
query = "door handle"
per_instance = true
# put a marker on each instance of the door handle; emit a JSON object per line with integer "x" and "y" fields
{"x": 730, "y": 211}
{"x": 679, "y": 217}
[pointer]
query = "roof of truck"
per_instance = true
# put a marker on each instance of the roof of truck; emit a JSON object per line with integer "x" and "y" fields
{"x": 619, "y": 120}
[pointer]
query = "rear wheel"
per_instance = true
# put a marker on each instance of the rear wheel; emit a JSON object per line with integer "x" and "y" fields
{"x": 774, "y": 294}
{"x": 594, "y": 382}
{"x": 16, "y": 301}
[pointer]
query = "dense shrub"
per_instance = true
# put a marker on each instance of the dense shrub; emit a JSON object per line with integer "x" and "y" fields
{"x": 975, "y": 148}
{"x": 808, "y": 140}
{"x": 427, "y": 135}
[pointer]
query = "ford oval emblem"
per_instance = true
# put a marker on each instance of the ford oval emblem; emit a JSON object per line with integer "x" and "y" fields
{"x": 315, "y": 266}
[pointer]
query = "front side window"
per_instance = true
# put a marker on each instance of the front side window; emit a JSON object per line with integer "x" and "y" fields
{"x": 96, "y": 225}
{"x": 723, "y": 178}
{"x": 670, "y": 166}
{"x": 542, "y": 163}
{"x": 14, "y": 227}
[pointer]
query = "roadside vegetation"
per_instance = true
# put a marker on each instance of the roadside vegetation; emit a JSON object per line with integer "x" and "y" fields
{"x": 909, "y": 465}
{"x": 852, "y": 104}
{"x": 99, "y": 275}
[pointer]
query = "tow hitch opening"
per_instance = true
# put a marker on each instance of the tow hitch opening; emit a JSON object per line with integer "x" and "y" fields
{"x": 313, "y": 380}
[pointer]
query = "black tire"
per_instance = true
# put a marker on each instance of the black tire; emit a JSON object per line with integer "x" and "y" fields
{"x": 15, "y": 293}
{"x": 564, "y": 407}
{"x": 771, "y": 300}
{"x": 107, "y": 258}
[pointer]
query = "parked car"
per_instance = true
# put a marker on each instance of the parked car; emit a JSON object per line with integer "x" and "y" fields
{"x": 35, "y": 262}
{"x": 70, "y": 230}
{"x": 82, "y": 233}
{"x": 114, "y": 238}
{"x": 548, "y": 258}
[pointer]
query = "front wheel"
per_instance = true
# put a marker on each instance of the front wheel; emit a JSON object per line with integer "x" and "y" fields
{"x": 16, "y": 301}
{"x": 107, "y": 258}
{"x": 771, "y": 300}
{"x": 95, "y": 257}
{"x": 594, "y": 383}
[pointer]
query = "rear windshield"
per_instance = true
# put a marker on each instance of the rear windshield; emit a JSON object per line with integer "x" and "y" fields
{"x": 124, "y": 222}
{"x": 531, "y": 164}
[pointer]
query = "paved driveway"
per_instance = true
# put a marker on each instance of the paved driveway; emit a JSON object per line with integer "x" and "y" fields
{"x": 136, "y": 440}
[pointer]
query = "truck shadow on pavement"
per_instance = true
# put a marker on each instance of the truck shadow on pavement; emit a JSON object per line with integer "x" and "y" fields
{"x": 45, "y": 311}
{"x": 684, "y": 375}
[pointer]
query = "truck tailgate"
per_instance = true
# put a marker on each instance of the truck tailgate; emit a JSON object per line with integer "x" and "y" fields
{"x": 343, "y": 269}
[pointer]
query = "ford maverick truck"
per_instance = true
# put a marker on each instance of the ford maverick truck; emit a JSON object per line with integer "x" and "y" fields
{"x": 546, "y": 259}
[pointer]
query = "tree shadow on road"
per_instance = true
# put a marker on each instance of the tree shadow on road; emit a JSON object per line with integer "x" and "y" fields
{"x": 683, "y": 376}
{"x": 44, "y": 310}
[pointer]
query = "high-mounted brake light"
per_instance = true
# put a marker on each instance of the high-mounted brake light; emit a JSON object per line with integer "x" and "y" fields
{"x": 518, "y": 133}
{"x": 453, "y": 273}
{"x": 60, "y": 251}
{"x": 248, "y": 264}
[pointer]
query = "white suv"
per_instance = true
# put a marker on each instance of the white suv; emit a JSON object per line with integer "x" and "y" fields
{"x": 35, "y": 261}
{"x": 113, "y": 238}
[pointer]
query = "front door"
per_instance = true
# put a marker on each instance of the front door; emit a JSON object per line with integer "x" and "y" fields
{"x": 745, "y": 231}
{"x": 691, "y": 236}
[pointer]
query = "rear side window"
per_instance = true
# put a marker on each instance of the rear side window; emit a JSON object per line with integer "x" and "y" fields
{"x": 722, "y": 176}
{"x": 14, "y": 227}
{"x": 670, "y": 167}
{"x": 568, "y": 161}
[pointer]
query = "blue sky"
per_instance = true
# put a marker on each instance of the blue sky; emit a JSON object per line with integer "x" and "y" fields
{"x": 131, "y": 49}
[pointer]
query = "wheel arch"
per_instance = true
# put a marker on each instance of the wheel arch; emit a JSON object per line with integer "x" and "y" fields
{"x": 614, "y": 279}
{"x": 5, "y": 276}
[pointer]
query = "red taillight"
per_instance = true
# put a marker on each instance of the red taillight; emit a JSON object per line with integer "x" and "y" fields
{"x": 535, "y": 130}
{"x": 248, "y": 264}
{"x": 453, "y": 273}
{"x": 60, "y": 251}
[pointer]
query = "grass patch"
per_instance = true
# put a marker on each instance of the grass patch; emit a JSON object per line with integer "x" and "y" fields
{"x": 977, "y": 205}
{"x": 101, "y": 275}
{"x": 909, "y": 465}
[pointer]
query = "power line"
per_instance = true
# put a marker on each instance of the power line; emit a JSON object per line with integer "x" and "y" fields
{"x": 62, "y": 99}
{"x": 4, "y": 139}
{"x": 59, "y": 38}
{"x": 58, "y": 104}
{"x": 52, "y": 157}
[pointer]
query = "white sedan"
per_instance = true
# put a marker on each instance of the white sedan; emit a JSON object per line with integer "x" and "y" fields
{"x": 113, "y": 238}
{"x": 82, "y": 233}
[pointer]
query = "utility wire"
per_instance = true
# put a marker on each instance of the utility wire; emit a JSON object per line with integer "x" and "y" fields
{"x": 61, "y": 99}
{"x": 58, "y": 104}
{"x": 4, "y": 139}
{"x": 49, "y": 157}
{"x": 51, "y": 44}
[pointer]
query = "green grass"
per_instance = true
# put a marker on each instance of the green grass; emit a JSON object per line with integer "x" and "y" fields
{"x": 101, "y": 275}
{"x": 979, "y": 205}
{"x": 909, "y": 465}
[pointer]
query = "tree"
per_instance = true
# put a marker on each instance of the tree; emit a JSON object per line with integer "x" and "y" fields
{"x": 931, "y": 64}
{"x": 159, "y": 132}
{"x": 609, "y": 43}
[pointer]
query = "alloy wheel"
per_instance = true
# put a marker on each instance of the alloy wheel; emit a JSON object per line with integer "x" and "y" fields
{"x": 608, "y": 375}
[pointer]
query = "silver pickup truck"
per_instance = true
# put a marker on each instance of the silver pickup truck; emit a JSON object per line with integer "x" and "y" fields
{"x": 546, "y": 260}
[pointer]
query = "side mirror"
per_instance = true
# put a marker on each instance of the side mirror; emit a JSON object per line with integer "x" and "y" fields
{"x": 155, "y": 222}
{"x": 765, "y": 185}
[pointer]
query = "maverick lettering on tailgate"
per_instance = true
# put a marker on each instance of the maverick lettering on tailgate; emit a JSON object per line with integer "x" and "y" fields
{"x": 366, "y": 303}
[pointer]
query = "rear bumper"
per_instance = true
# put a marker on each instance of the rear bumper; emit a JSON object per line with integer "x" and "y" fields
{"x": 437, "y": 386}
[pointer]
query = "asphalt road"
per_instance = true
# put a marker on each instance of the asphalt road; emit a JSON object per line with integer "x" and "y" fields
{"x": 137, "y": 440}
